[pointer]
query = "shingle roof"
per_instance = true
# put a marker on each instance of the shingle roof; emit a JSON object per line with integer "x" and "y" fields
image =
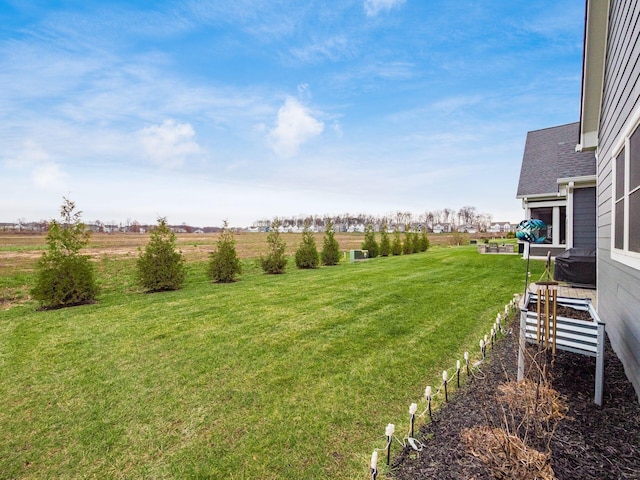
{"x": 550, "y": 154}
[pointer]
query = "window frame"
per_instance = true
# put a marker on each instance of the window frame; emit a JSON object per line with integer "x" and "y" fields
{"x": 624, "y": 255}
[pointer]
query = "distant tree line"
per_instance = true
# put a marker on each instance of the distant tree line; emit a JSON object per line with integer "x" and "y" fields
{"x": 455, "y": 219}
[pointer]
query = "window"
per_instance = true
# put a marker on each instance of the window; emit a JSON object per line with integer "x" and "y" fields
{"x": 556, "y": 233}
{"x": 546, "y": 215}
{"x": 563, "y": 225}
{"x": 619, "y": 200}
{"x": 626, "y": 200}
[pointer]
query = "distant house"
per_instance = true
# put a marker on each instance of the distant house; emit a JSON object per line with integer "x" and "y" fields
{"x": 558, "y": 186}
{"x": 442, "y": 228}
{"x": 502, "y": 228}
{"x": 358, "y": 228}
{"x": 610, "y": 126}
{"x": 468, "y": 229}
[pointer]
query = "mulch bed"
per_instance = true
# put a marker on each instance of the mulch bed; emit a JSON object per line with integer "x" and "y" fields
{"x": 591, "y": 442}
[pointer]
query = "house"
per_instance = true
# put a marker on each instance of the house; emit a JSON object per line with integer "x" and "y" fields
{"x": 558, "y": 186}
{"x": 442, "y": 228}
{"x": 610, "y": 127}
{"x": 502, "y": 227}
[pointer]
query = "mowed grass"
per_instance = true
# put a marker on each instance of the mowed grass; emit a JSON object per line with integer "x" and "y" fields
{"x": 272, "y": 377}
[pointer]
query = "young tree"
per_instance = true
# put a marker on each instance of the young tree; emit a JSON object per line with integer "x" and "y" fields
{"x": 330, "y": 247}
{"x": 407, "y": 245}
{"x": 64, "y": 277}
{"x": 160, "y": 267}
{"x": 224, "y": 263}
{"x": 385, "y": 242}
{"x": 415, "y": 241}
{"x": 275, "y": 261}
{"x": 370, "y": 242}
{"x": 424, "y": 240}
{"x": 396, "y": 246}
{"x": 307, "y": 253}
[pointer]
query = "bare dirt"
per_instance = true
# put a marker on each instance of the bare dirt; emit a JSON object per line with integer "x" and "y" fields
{"x": 591, "y": 442}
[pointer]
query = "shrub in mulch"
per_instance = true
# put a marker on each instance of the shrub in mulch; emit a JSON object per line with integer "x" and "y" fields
{"x": 506, "y": 455}
{"x": 581, "y": 440}
{"x": 530, "y": 413}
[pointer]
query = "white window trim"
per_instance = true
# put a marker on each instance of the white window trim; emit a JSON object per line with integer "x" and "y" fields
{"x": 631, "y": 259}
{"x": 555, "y": 224}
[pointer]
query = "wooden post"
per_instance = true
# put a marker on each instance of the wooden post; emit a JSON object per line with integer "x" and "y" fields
{"x": 547, "y": 291}
{"x": 555, "y": 315}
{"x": 539, "y": 316}
{"x": 522, "y": 344}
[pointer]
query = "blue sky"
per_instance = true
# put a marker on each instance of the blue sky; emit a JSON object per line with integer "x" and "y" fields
{"x": 202, "y": 111}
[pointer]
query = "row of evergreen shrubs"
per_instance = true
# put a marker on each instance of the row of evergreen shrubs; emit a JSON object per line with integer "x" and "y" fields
{"x": 414, "y": 242}
{"x": 66, "y": 278}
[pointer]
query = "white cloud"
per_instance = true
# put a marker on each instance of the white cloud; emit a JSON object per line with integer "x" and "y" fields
{"x": 337, "y": 128}
{"x": 333, "y": 48}
{"x": 374, "y": 7}
{"x": 45, "y": 173}
{"x": 294, "y": 126}
{"x": 48, "y": 176}
{"x": 170, "y": 144}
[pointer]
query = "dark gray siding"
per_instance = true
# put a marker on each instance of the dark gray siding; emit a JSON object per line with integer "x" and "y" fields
{"x": 618, "y": 285}
{"x": 584, "y": 218}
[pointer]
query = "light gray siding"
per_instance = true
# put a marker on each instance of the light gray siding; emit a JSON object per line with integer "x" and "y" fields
{"x": 584, "y": 218}
{"x": 618, "y": 284}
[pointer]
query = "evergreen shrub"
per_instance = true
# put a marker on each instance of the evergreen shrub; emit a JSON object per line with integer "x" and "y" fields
{"x": 275, "y": 261}
{"x": 65, "y": 278}
{"x": 224, "y": 263}
{"x": 307, "y": 253}
{"x": 330, "y": 248}
{"x": 160, "y": 267}
{"x": 370, "y": 242}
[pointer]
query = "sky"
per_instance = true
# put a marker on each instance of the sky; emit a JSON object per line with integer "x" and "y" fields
{"x": 204, "y": 111}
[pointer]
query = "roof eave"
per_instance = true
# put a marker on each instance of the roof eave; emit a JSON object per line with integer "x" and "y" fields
{"x": 593, "y": 62}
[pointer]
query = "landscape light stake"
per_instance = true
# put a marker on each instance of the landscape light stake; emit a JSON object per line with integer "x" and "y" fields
{"x": 389, "y": 433}
{"x": 482, "y": 348}
{"x": 374, "y": 465}
{"x": 427, "y": 395}
{"x": 413, "y": 408}
{"x": 445, "y": 378}
{"x": 466, "y": 361}
{"x": 458, "y": 373}
{"x": 493, "y": 335}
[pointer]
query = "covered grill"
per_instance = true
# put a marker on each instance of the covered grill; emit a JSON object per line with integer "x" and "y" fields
{"x": 576, "y": 266}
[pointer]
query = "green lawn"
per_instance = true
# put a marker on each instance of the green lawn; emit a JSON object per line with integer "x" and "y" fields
{"x": 273, "y": 377}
